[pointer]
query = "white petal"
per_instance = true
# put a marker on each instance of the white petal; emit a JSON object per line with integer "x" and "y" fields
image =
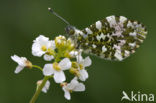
{"x": 74, "y": 81}
{"x": 87, "y": 62}
{"x": 44, "y": 90}
{"x": 83, "y": 75}
{"x": 67, "y": 94}
{"x": 48, "y": 69}
{"x": 20, "y": 60}
{"x": 36, "y": 50}
{"x": 18, "y": 69}
{"x": 59, "y": 76}
{"x": 79, "y": 87}
{"x": 46, "y": 87}
{"x": 52, "y": 44}
{"x": 65, "y": 64}
{"x": 72, "y": 84}
{"x": 79, "y": 58}
{"x": 41, "y": 38}
{"x": 48, "y": 57}
{"x": 15, "y": 58}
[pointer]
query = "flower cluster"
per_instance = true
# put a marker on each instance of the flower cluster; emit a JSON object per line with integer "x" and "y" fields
{"x": 63, "y": 56}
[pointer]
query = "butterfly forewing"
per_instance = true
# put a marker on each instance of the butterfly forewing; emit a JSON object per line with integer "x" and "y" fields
{"x": 113, "y": 38}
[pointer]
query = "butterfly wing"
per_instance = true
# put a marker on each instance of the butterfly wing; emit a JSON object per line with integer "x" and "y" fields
{"x": 113, "y": 38}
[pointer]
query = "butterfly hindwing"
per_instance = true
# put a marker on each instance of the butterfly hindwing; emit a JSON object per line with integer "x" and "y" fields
{"x": 113, "y": 38}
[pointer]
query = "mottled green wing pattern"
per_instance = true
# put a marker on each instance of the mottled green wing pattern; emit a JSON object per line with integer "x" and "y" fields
{"x": 113, "y": 38}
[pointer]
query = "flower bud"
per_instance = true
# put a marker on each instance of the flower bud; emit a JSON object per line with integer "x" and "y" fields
{"x": 60, "y": 41}
{"x": 28, "y": 64}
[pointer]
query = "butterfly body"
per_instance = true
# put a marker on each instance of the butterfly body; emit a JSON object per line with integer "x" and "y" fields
{"x": 113, "y": 38}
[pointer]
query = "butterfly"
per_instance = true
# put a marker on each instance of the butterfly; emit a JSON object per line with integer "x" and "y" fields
{"x": 113, "y": 38}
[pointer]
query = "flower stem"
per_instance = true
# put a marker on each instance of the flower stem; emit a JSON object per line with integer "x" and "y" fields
{"x": 38, "y": 67}
{"x": 34, "y": 98}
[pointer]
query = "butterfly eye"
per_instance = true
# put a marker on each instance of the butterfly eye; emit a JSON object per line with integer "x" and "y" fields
{"x": 70, "y": 30}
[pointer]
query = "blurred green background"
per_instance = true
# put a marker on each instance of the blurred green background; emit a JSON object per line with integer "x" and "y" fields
{"x": 21, "y": 21}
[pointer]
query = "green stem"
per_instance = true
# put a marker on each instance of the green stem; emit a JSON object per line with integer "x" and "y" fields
{"x": 38, "y": 67}
{"x": 59, "y": 55}
{"x": 34, "y": 98}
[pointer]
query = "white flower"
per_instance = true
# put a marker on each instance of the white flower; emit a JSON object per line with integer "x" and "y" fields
{"x": 22, "y": 62}
{"x": 46, "y": 86}
{"x": 41, "y": 45}
{"x": 57, "y": 69}
{"x": 83, "y": 74}
{"x": 74, "y": 85}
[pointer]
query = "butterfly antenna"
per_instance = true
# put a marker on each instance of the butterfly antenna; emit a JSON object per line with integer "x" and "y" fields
{"x": 53, "y": 12}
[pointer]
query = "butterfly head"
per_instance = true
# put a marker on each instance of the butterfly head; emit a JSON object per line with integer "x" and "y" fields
{"x": 70, "y": 30}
